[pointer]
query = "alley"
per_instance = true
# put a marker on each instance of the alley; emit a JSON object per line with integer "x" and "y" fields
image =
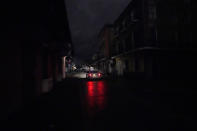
{"x": 111, "y": 104}
{"x": 98, "y": 65}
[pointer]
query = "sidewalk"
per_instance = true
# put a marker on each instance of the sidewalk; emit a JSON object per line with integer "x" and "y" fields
{"x": 57, "y": 110}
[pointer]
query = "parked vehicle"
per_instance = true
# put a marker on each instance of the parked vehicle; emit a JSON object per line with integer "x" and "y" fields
{"x": 94, "y": 75}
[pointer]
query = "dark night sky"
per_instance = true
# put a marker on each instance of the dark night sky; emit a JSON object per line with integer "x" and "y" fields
{"x": 86, "y": 18}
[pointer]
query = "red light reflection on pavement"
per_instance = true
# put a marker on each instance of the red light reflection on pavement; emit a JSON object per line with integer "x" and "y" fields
{"x": 101, "y": 95}
{"x": 91, "y": 94}
{"x": 95, "y": 96}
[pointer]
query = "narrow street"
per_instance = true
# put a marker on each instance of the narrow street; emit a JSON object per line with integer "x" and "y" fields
{"x": 107, "y": 105}
{"x": 98, "y": 65}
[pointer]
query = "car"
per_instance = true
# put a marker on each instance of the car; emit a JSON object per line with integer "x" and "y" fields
{"x": 94, "y": 74}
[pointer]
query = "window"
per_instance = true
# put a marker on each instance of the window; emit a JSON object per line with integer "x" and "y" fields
{"x": 132, "y": 39}
{"x": 152, "y": 11}
{"x": 124, "y": 24}
{"x": 128, "y": 43}
{"x": 132, "y": 16}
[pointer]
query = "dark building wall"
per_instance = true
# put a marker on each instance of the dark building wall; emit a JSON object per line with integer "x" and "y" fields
{"x": 174, "y": 23}
{"x": 105, "y": 38}
{"x": 35, "y": 34}
{"x": 158, "y": 23}
{"x": 159, "y": 33}
{"x": 105, "y": 47}
{"x": 11, "y": 70}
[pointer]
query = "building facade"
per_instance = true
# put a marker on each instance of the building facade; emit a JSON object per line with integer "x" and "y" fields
{"x": 154, "y": 39}
{"x": 102, "y": 57}
{"x": 36, "y": 38}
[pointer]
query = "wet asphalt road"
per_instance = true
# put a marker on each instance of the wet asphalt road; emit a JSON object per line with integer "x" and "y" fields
{"x": 107, "y": 105}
